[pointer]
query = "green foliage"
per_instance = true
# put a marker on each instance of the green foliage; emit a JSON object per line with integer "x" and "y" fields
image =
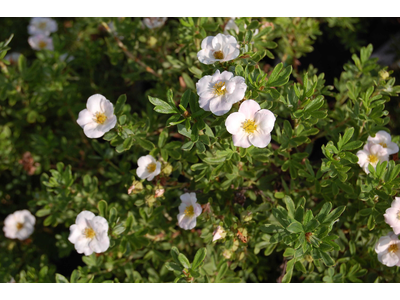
{"x": 292, "y": 211}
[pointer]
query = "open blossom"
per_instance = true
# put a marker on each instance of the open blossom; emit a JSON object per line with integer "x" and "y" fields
{"x": 219, "y": 233}
{"x": 189, "y": 210}
{"x": 98, "y": 117}
{"x": 251, "y": 125}
{"x": 43, "y": 26}
{"x": 388, "y": 249}
{"x": 371, "y": 154}
{"x": 222, "y": 47}
{"x": 148, "y": 167}
{"x": 19, "y": 225}
{"x": 154, "y": 22}
{"x": 385, "y": 140}
{"x": 220, "y": 91}
{"x": 41, "y": 42}
{"x": 392, "y": 215}
{"x": 89, "y": 233}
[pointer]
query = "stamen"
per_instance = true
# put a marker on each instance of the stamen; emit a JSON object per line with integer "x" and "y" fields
{"x": 393, "y": 248}
{"x": 42, "y": 44}
{"x": 383, "y": 144}
{"x": 219, "y": 88}
{"x": 398, "y": 215}
{"x": 189, "y": 211}
{"x": 20, "y": 225}
{"x": 89, "y": 233}
{"x": 373, "y": 158}
{"x": 249, "y": 126}
{"x": 151, "y": 167}
{"x": 42, "y": 25}
{"x": 218, "y": 55}
{"x": 100, "y": 118}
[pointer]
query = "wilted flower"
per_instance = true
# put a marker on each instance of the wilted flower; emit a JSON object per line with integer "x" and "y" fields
{"x": 220, "y": 91}
{"x": 98, "y": 118}
{"x": 388, "y": 249}
{"x": 189, "y": 210}
{"x": 136, "y": 187}
{"x": 159, "y": 192}
{"x": 154, "y": 22}
{"x": 251, "y": 125}
{"x": 392, "y": 215}
{"x": 43, "y": 26}
{"x": 219, "y": 233}
{"x": 19, "y": 225}
{"x": 28, "y": 163}
{"x": 371, "y": 154}
{"x": 13, "y": 57}
{"x": 385, "y": 140}
{"x": 148, "y": 167}
{"x": 41, "y": 42}
{"x": 89, "y": 233}
{"x": 222, "y": 47}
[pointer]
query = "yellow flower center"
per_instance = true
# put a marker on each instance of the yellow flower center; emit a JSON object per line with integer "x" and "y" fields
{"x": 189, "y": 211}
{"x": 151, "y": 167}
{"x": 219, "y": 88}
{"x": 373, "y": 158}
{"x": 20, "y": 226}
{"x": 218, "y": 55}
{"x": 249, "y": 126}
{"x": 42, "y": 44}
{"x": 89, "y": 233}
{"x": 383, "y": 145}
{"x": 42, "y": 25}
{"x": 100, "y": 118}
{"x": 393, "y": 248}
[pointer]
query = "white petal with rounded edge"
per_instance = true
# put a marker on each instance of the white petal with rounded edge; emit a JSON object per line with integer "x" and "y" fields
{"x": 241, "y": 139}
{"x": 234, "y": 122}
{"x": 219, "y": 106}
{"x": 249, "y": 108}
{"x": 265, "y": 120}
{"x": 93, "y": 103}
{"x": 260, "y": 140}
{"x": 84, "y": 117}
{"x": 382, "y": 244}
{"x": 92, "y": 131}
{"x": 81, "y": 219}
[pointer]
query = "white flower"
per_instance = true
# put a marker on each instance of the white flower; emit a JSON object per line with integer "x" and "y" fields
{"x": 148, "y": 167}
{"x": 222, "y": 47}
{"x": 388, "y": 249}
{"x": 250, "y": 125}
{"x": 189, "y": 210}
{"x": 219, "y": 233}
{"x": 231, "y": 25}
{"x": 19, "y": 225}
{"x": 43, "y": 26}
{"x": 392, "y": 215}
{"x": 385, "y": 140}
{"x": 371, "y": 154}
{"x": 154, "y": 22}
{"x": 13, "y": 57}
{"x": 220, "y": 91}
{"x": 89, "y": 233}
{"x": 98, "y": 118}
{"x": 41, "y": 42}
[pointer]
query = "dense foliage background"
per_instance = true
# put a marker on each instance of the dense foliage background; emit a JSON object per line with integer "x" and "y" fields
{"x": 299, "y": 210}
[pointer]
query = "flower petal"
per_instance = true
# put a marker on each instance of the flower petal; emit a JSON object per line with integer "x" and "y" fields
{"x": 249, "y": 108}
{"x": 94, "y": 103}
{"x": 84, "y": 117}
{"x": 241, "y": 139}
{"x": 260, "y": 140}
{"x": 234, "y": 122}
{"x": 265, "y": 120}
{"x": 92, "y": 131}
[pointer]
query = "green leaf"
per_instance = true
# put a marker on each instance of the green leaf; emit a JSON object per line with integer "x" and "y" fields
{"x": 327, "y": 259}
{"x": 334, "y": 215}
{"x": 184, "y": 261}
{"x": 199, "y": 258}
{"x": 146, "y": 144}
{"x": 295, "y": 227}
{"x": 162, "y": 106}
{"x": 221, "y": 272}
{"x": 61, "y": 279}
{"x": 175, "y": 253}
{"x": 120, "y": 104}
{"x": 129, "y": 221}
{"x": 188, "y": 81}
{"x": 103, "y": 208}
{"x": 74, "y": 276}
{"x": 352, "y": 145}
{"x": 289, "y": 271}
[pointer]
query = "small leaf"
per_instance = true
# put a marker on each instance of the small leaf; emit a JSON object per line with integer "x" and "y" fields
{"x": 103, "y": 207}
{"x": 120, "y": 104}
{"x": 61, "y": 279}
{"x": 199, "y": 258}
{"x": 184, "y": 261}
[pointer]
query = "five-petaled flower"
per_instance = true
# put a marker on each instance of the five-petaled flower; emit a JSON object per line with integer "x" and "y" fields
{"x": 385, "y": 140}
{"x": 388, "y": 249}
{"x": 98, "y": 118}
{"x": 41, "y": 42}
{"x": 392, "y": 215}
{"x": 220, "y": 91}
{"x": 251, "y": 125}
{"x": 371, "y": 154}
{"x": 148, "y": 167}
{"x": 154, "y": 22}
{"x": 19, "y": 225}
{"x": 43, "y": 26}
{"x": 89, "y": 233}
{"x": 222, "y": 47}
{"x": 189, "y": 210}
